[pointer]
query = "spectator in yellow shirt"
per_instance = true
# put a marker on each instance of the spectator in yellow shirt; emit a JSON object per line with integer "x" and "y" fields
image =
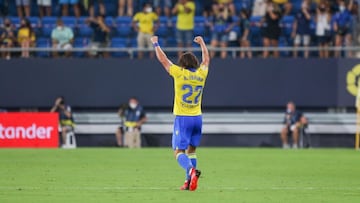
{"x": 26, "y": 37}
{"x": 143, "y": 24}
{"x": 185, "y": 11}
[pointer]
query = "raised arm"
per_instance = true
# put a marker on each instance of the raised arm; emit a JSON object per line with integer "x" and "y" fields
{"x": 205, "y": 53}
{"x": 160, "y": 55}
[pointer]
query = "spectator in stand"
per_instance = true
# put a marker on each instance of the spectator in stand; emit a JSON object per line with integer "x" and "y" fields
{"x": 185, "y": 11}
{"x": 221, "y": 24}
{"x": 26, "y": 37}
{"x": 293, "y": 121}
{"x": 7, "y": 38}
{"x": 23, "y": 8}
{"x": 301, "y": 28}
{"x": 163, "y": 7}
{"x": 65, "y": 7}
{"x": 62, "y": 38}
{"x": 44, "y": 7}
{"x": 208, "y": 8}
{"x": 244, "y": 38}
{"x": 100, "y": 37}
{"x": 323, "y": 29}
{"x": 259, "y": 8}
{"x": 285, "y": 6}
{"x": 143, "y": 24}
{"x": 227, "y": 3}
{"x": 65, "y": 117}
{"x": 271, "y": 28}
{"x": 91, "y": 6}
{"x": 134, "y": 117}
{"x": 129, "y": 7}
{"x": 343, "y": 26}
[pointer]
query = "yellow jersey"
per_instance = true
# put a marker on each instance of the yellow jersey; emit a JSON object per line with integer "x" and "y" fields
{"x": 24, "y": 33}
{"x": 146, "y": 21}
{"x": 188, "y": 86}
{"x": 185, "y": 21}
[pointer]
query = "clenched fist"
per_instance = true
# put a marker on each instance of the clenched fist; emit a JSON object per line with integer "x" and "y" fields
{"x": 198, "y": 40}
{"x": 154, "y": 39}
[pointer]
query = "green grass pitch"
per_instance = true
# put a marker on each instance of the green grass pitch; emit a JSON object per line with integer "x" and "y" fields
{"x": 152, "y": 175}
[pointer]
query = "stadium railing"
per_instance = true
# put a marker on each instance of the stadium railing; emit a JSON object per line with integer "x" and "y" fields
{"x": 232, "y": 50}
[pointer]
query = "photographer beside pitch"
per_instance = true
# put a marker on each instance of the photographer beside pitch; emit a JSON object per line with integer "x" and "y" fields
{"x": 189, "y": 81}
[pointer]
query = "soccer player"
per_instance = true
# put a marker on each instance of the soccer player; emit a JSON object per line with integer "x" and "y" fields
{"x": 189, "y": 80}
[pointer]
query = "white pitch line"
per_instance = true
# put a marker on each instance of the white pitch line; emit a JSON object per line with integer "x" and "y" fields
{"x": 7, "y": 188}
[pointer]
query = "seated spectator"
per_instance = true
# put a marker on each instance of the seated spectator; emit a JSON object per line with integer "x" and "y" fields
{"x": 163, "y": 7}
{"x": 293, "y": 121}
{"x": 343, "y": 26}
{"x": 323, "y": 29}
{"x": 185, "y": 11}
{"x": 91, "y": 6}
{"x": 62, "y": 38}
{"x": 26, "y": 37}
{"x": 259, "y": 8}
{"x": 219, "y": 4}
{"x": 143, "y": 24}
{"x": 65, "y": 117}
{"x": 244, "y": 38}
{"x": 44, "y": 7}
{"x": 100, "y": 37}
{"x": 23, "y": 8}
{"x": 271, "y": 29}
{"x": 7, "y": 38}
{"x": 301, "y": 28}
{"x": 135, "y": 117}
{"x": 65, "y": 7}
{"x": 221, "y": 24}
{"x": 129, "y": 7}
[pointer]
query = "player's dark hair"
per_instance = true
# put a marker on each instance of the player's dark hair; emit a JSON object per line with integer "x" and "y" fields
{"x": 188, "y": 60}
{"x": 62, "y": 100}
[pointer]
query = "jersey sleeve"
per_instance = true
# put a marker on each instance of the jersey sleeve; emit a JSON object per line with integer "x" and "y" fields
{"x": 136, "y": 17}
{"x": 175, "y": 71}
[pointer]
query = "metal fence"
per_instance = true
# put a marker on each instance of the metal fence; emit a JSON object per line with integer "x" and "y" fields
{"x": 233, "y": 51}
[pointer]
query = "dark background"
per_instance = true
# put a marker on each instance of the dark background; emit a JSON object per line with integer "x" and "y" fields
{"x": 105, "y": 83}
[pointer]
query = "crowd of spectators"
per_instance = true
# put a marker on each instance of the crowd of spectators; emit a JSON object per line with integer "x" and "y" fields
{"x": 64, "y": 24}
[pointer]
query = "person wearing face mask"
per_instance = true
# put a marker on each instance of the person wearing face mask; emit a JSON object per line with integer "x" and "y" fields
{"x": 134, "y": 117}
{"x": 342, "y": 26}
{"x": 62, "y": 38}
{"x": 293, "y": 121}
{"x": 7, "y": 38}
{"x": 145, "y": 24}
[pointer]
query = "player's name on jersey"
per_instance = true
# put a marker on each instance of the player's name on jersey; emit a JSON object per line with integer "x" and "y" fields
{"x": 194, "y": 77}
{"x": 189, "y": 106}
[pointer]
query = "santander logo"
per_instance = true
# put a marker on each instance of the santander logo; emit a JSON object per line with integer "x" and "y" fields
{"x": 30, "y": 132}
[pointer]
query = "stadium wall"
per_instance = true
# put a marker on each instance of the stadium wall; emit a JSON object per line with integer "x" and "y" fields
{"x": 91, "y": 83}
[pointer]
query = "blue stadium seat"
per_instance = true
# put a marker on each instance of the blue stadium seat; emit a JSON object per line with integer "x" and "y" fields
{"x": 286, "y": 23}
{"x": 199, "y": 30}
{"x": 46, "y": 31}
{"x": 123, "y": 31}
{"x": 162, "y": 31}
{"x": 119, "y": 43}
{"x": 49, "y": 21}
{"x": 83, "y": 29}
{"x": 123, "y": 20}
{"x": 80, "y": 42}
{"x": 109, "y": 21}
{"x": 15, "y": 21}
{"x": 43, "y": 43}
{"x": 69, "y": 21}
{"x": 256, "y": 38}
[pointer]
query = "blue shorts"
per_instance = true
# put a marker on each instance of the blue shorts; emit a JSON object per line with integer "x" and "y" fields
{"x": 184, "y": 36}
{"x": 68, "y": 1}
{"x": 220, "y": 37}
{"x": 187, "y": 131}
